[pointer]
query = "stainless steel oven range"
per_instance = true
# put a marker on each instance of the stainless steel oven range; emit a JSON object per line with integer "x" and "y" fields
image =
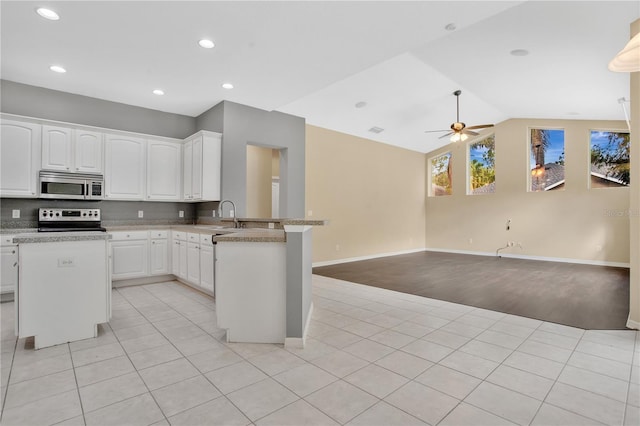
{"x": 69, "y": 220}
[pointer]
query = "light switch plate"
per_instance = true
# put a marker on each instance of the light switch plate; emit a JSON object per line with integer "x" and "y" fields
{"x": 15, "y": 214}
{"x": 140, "y": 213}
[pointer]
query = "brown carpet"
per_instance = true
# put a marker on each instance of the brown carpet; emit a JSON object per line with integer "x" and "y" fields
{"x": 584, "y": 296}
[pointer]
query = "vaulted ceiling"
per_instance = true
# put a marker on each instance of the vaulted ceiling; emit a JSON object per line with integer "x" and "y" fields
{"x": 319, "y": 59}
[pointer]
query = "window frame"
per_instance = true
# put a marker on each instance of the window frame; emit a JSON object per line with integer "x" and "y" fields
{"x": 477, "y": 139}
{"x": 591, "y": 130}
{"x": 431, "y": 192}
{"x": 528, "y": 153}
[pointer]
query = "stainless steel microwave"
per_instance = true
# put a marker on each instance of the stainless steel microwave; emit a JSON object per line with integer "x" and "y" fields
{"x": 71, "y": 186}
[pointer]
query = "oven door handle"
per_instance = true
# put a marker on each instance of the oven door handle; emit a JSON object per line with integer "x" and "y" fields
{"x": 86, "y": 190}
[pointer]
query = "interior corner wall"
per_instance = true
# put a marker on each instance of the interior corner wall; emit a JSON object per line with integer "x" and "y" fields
{"x": 246, "y": 125}
{"x": 576, "y": 223}
{"x": 634, "y": 212}
{"x": 38, "y": 102}
{"x": 371, "y": 193}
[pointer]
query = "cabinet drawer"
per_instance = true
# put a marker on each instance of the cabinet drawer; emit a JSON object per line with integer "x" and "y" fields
{"x": 7, "y": 240}
{"x": 133, "y": 235}
{"x": 205, "y": 239}
{"x": 193, "y": 238}
{"x": 159, "y": 234}
{"x": 177, "y": 235}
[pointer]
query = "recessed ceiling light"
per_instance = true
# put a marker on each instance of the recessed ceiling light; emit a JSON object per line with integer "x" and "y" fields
{"x": 375, "y": 129}
{"x": 158, "y": 92}
{"x": 57, "y": 68}
{"x": 519, "y": 52}
{"x": 207, "y": 44}
{"x": 47, "y": 14}
{"x": 227, "y": 86}
{"x": 361, "y": 104}
{"x": 450, "y": 27}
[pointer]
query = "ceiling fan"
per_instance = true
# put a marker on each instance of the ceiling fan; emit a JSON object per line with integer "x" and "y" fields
{"x": 459, "y": 131}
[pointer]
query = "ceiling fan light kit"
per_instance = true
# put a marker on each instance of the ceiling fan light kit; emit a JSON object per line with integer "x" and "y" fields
{"x": 628, "y": 59}
{"x": 459, "y": 130}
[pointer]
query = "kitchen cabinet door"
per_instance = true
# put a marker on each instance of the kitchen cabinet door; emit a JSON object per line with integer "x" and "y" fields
{"x": 125, "y": 167}
{"x": 159, "y": 252}
{"x": 9, "y": 277}
{"x": 206, "y": 268}
{"x": 56, "y": 148}
{"x": 175, "y": 258}
{"x": 20, "y": 153}
{"x": 193, "y": 263}
{"x": 129, "y": 259}
{"x": 163, "y": 170}
{"x": 88, "y": 151}
{"x": 182, "y": 273}
{"x": 201, "y": 167}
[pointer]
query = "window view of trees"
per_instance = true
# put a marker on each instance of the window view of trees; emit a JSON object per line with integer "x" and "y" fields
{"x": 482, "y": 162}
{"x": 610, "y": 165}
{"x": 547, "y": 159}
{"x": 441, "y": 175}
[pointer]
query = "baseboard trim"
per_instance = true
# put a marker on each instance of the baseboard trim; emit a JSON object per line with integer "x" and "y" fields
{"x": 476, "y": 253}
{"x": 368, "y": 257}
{"x": 633, "y": 324}
{"x": 540, "y": 258}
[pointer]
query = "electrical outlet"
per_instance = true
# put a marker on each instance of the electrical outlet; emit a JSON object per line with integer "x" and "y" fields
{"x": 310, "y": 213}
{"x": 271, "y": 225}
{"x": 181, "y": 213}
{"x": 337, "y": 247}
{"x": 232, "y": 213}
{"x": 15, "y": 214}
{"x": 470, "y": 240}
{"x": 213, "y": 213}
{"x": 140, "y": 213}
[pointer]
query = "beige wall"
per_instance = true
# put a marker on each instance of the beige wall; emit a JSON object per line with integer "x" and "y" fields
{"x": 372, "y": 193}
{"x": 576, "y": 223}
{"x": 259, "y": 162}
{"x": 634, "y": 217}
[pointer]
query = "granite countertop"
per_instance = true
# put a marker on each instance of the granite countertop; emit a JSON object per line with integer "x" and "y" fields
{"x": 252, "y": 236}
{"x": 57, "y": 237}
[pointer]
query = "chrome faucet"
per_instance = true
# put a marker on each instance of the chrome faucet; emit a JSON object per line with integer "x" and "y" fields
{"x": 233, "y": 206}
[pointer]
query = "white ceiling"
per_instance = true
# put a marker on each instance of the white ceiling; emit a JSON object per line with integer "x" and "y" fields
{"x": 318, "y": 59}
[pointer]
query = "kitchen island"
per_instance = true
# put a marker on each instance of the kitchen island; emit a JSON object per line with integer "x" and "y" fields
{"x": 64, "y": 290}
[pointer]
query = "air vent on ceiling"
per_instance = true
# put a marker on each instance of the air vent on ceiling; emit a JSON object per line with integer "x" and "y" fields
{"x": 375, "y": 129}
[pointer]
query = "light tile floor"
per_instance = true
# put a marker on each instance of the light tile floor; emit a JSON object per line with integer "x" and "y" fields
{"x": 373, "y": 357}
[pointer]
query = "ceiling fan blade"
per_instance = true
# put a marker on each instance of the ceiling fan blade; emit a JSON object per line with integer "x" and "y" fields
{"x": 447, "y": 135}
{"x": 469, "y": 132}
{"x": 436, "y": 131}
{"x": 480, "y": 126}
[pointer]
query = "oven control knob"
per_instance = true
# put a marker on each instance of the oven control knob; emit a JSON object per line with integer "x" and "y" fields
{"x": 57, "y": 213}
{"x": 44, "y": 214}
{"x": 84, "y": 214}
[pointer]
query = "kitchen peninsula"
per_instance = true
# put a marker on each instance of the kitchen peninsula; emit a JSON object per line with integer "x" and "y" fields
{"x": 262, "y": 274}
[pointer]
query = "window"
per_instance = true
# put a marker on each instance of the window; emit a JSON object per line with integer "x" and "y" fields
{"x": 482, "y": 161}
{"x": 546, "y": 159}
{"x": 610, "y": 165}
{"x": 441, "y": 175}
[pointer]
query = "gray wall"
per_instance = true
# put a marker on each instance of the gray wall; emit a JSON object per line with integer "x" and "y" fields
{"x": 244, "y": 125}
{"x": 113, "y": 212}
{"x": 31, "y": 101}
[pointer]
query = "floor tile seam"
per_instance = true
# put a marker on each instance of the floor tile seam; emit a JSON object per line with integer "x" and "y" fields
{"x": 556, "y": 381}
{"x": 317, "y": 390}
{"x": 350, "y": 384}
{"x": 75, "y": 377}
{"x": 4, "y": 401}
{"x": 36, "y": 377}
{"x": 501, "y": 416}
{"x": 610, "y": 344}
{"x": 354, "y": 371}
{"x": 574, "y": 412}
{"x": 223, "y": 396}
{"x": 485, "y": 357}
{"x": 636, "y": 346}
{"x": 602, "y": 357}
{"x": 561, "y": 334}
{"x": 533, "y": 339}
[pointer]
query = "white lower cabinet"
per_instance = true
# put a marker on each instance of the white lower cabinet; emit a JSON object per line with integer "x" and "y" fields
{"x": 206, "y": 267}
{"x": 129, "y": 254}
{"x": 9, "y": 271}
{"x": 193, "y": 263}
{"x": 159, "y": 252}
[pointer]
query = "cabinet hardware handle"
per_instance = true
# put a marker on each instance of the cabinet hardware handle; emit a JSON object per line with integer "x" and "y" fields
{"x": 13, "y": 252}
{"x": 15, "y": 264}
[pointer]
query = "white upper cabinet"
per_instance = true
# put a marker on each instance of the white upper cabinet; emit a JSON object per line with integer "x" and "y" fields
{"x": 201, "y": 167}
{"x": 56, "y": 148}
{"x": 88, "y": 148}
{"x": 20, "y": 152}
{"x": 71, "y": 150}
{"x": 125, "y": 158}
{"x": 164, "y": 161}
